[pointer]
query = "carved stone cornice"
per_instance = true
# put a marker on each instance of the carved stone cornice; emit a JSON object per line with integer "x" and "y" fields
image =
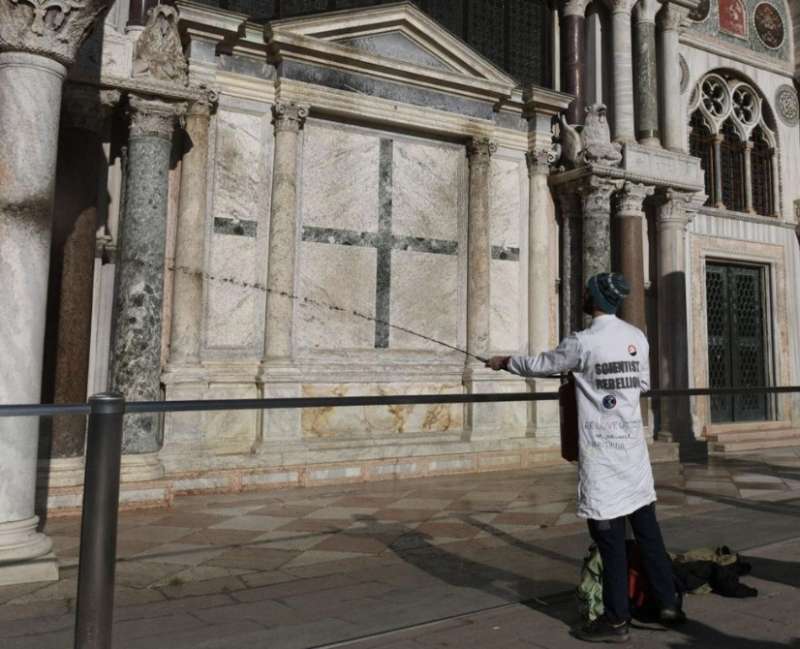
{"x": 289, "y": 116}
{"x": 51, "y": 28}
{"x": 576, "y": 8}
{"x": 480, "y": 151}
{"x": 158, "y": 53}
{"x": 631, "y": 198}
{"x": 88, "y": 108}
{"x": 153, "y": 118}
{"x": 541, "y": 159}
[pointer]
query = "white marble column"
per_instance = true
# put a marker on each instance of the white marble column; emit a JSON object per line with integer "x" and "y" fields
{"x": 479, "y": 151}
{"x": 670, "y": 19}
{"x": 647, "y": 74}
{"x": 288, "y": 120}
{"x": 36, "y": 48}
{"x": 748, "y": 177}
{"x": 624, "y": 127}
{"x": 673, "y": 345}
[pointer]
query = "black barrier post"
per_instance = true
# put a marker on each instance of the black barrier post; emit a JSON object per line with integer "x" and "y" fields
{"x": 95, "y": 608}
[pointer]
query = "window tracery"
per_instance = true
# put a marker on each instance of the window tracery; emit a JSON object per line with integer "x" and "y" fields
{"x": 731, "y": 131}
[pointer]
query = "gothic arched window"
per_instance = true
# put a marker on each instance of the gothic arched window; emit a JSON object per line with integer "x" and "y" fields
{"x": 732, "y": 132}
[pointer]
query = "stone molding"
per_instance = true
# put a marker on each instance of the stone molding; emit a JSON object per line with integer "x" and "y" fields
{"x": 289, "y": 116}
{"x": 480, "y": 151}
{"x": 87, "y": 108}
{"x": 158, "y": 53}
{"x": 631, "y": 198}
{"x": 153, "y": 118}
{"x": 52, "y": 28}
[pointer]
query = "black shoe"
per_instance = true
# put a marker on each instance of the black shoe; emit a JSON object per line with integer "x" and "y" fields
{"x": 601, "y": 630}
{"x": 671, "y": 615}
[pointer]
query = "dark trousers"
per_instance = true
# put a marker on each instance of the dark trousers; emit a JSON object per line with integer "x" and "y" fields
{"x": 610, "y": 539}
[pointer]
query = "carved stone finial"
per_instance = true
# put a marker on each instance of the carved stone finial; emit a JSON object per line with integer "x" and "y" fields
{"x": 289, "y": 116}
{"x": 52, "y": 28}
{"x": 153, "y": 118}
{"x": 158, "y": 53}
{"x": 480, "y": 150}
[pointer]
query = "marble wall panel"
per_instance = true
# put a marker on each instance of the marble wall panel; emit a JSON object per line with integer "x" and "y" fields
{"x": 425, "y": 299}
{"x": 340, "y": 178}
{"x": 339, "y": 276}
{"x": 233, "y": 431}
{"x": 505, "y": 326}
{"x": 236, "y": 263}
{"x": 508, "y": 177}
{"x": 429, "y": 184}
{"x": 379, "y": 421}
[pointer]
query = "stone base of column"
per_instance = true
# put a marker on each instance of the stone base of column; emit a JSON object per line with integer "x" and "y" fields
{"x": 279, "y": 428}
{"x": 141, "y": 467}
{"x": 543, "y": 416}
{"x": 61, "y": 472}
{"x": 493, "y": 420}
{"x": 25, "y": 554}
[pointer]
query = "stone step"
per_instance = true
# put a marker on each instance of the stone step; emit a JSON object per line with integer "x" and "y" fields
{"x": 724, "y": 429}
{"x": 733, "y": 447}
{"x": 664, "y": 452}
{"x": 753, "y": 435}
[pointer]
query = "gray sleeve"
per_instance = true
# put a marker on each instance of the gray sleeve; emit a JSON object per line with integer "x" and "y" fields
{"x": 566, "y": 357}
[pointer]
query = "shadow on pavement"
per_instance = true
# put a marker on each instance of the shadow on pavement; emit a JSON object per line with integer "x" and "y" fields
{"x": 781, "y": 572}
{"x": 702, "y": 636}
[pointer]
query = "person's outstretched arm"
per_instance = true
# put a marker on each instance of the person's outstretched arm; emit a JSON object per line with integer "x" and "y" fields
{"x": 566, "y": 357}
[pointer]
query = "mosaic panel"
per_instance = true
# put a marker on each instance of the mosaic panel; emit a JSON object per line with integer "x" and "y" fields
{"x": 787, "y": 105}
{"x": 769, "y": 25}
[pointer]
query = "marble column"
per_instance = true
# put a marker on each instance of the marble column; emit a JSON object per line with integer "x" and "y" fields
{"x": 187, "y": 299}
{"x": 748, "y": 177}
{"x": 630, "y": 249}
{"x": 479, "y": 253}
{"x": 673, "y": 345}
{"x": 647, "y": 73}
{"x": 288, "y": 119}
{"x": 36, "y": 48}
{"x": 624, "y": 128}
{"x": 596, "y": 249}
{"x": 136, "y": 344}
{"x": 573, "y": 54}
{"x": 670, "y": 19}
{"x": 717, "y": 143}
{"x": 81, "y": 174}
{"x": 570, "y": 261}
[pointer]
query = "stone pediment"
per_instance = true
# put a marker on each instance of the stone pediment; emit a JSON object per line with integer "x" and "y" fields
{"x": 395, "y": 41}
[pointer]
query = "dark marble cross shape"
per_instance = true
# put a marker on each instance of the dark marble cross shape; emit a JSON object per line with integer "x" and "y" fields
{"x": 385, "y": 242}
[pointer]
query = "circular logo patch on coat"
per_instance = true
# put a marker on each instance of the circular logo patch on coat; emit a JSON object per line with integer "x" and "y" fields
{"x": 632, "y": 350}
{"x": 609, "y": 402}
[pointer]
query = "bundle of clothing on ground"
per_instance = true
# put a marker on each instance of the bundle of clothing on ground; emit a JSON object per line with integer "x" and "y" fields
{"x": 700, "y": 571}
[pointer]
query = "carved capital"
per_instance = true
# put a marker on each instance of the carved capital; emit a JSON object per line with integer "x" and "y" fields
{"x": 158, "y": 53}
{"x": 673, "y": 17}
{"x": 576, "y": 8}
{"x": 289, "y": 116}
{"x": 480, "y": 151}
{"x": 541, "y": 159}
{"x": 646, "y": 11}
{"x": 631, "y": 198}
{"x": 205, "y": 106}
{"x": 596, "y": 194}
{"x": 88, "y": 108}
{"x": 153, "y": 118}
{"x": 621, "y": 6}
{"x": 52, "y": 28}
{"x": 678, "y": 209}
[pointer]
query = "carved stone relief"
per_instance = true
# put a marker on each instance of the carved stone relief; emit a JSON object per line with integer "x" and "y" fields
{"x": 787, "y": 104}
{"x": 158, "y": 53}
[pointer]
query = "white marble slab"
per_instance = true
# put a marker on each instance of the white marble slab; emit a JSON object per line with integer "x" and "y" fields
{"x": 505, "y": 326}
{"x": 508, "y": 180}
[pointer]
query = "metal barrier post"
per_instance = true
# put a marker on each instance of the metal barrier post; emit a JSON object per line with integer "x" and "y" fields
{"x": 95, "y": 606}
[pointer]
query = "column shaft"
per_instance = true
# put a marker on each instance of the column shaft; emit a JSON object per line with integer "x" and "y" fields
{"x": 570, "y": 262}
{"x": 647, "y": 76}
{"x": 540, "y": 281}
{"x": 671, "y": 118}
{"x": 748, "y": 177}
{"x": 187, "y": 301}
{"x": 630, "y": 251}
{"x": 288, "y": 120}
{"x": 479, "y": 247}
{"x": 30, "y": 99}
{"x": 573, "y": 54}
{"x": 718, "y": 202}
{"x": 136, "y": 346}
{"x": 624, "y": 129}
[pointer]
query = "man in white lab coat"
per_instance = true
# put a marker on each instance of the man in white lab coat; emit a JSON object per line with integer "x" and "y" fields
{"x": 609, "y": 361}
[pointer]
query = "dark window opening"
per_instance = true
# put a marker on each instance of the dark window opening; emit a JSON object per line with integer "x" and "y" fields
{"x": 761, "y": 158}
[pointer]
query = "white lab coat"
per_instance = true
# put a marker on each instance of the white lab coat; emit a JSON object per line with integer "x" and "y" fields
{"x": 611, "y": 368}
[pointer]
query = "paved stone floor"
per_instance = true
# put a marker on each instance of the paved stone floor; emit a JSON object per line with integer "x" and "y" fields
{"x": 485, "y": 560}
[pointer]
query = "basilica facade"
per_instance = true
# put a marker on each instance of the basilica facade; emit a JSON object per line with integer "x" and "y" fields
{"x": 235, "y": 199}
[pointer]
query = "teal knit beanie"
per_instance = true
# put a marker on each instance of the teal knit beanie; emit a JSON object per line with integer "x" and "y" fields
{"x": 608, "y": 290}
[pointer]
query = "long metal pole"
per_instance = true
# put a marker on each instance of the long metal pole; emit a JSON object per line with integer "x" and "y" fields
{"x": 95, "y": 608}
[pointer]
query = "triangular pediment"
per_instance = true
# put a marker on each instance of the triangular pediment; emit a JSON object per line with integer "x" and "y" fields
{"x": 396, "y": 37}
